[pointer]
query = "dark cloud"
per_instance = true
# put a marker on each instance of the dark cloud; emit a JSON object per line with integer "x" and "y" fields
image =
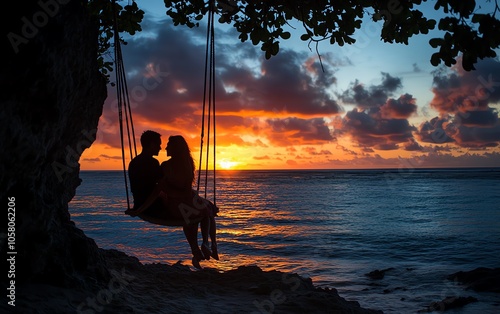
{"x": 369, "y": 129}
{"x": 321, "y": 76}
{"x": 346, "y": 150}
{"x": 292, "y": 131}
{"x": 433, "y": 131}
{"x": 372, "y": 96}
{"x": 476, "y": 136}
{"x": 401, "y": 108}
{"x": 478, "y": 118}
{"x": 285, "y": 83}
{"x": 413, "y": 145}
{"x": 462, "y": 91}
{"x": 379, "y": 121}
{"x": 464, "y": 101}
{"x": 473, "y": 130}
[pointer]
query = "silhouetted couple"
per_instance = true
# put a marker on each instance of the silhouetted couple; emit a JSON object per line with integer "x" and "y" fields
{"x": 165, "y": 192}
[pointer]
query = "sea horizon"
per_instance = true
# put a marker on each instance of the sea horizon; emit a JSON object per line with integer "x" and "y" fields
{"x": 399, "y": 169}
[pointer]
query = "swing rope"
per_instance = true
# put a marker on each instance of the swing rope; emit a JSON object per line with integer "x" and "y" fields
{"x": 123, "y": 103}
{"x": 209, "y": 79}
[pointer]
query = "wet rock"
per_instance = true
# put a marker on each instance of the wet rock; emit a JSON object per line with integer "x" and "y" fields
{"x": 378, "y": 274}
{"x": 479, "y": 279}
{"x": 447, "y": 304}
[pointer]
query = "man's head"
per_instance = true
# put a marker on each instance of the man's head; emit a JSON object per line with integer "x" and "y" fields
{"x": 151, "y": 142}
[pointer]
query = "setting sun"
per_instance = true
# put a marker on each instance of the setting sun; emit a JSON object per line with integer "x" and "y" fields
{"x": 227, "y": 164}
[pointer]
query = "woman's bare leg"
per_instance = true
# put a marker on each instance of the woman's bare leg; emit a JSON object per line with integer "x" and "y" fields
{"x": 205, "y": 233}
{"x": 213, "y": 238}
{"x": 191, "y": 234}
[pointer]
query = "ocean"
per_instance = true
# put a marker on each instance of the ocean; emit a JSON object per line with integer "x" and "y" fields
{"x": 333, "y": 226}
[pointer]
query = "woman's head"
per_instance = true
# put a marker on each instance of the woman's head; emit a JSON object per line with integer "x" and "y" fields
{"x": 177, "y": 147}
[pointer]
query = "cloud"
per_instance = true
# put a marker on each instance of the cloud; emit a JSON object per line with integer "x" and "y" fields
{"x": 429, "y": 160}
{"x": 373, "y": 96}
{"x": 464, "y": 101}
{"x": 313, "y": 151}
{"x": 369, "y": 129}
{"x": 413, "y": 145}
{"x": 480, "y": 118}
{"x": 475, "y": 136}
{"x": 461, "y": 91}
{"x": 433, "y": 131}
{"x": 294, "y": 131}
{"x": 378, "y": 121}
{"x": 401, "y": 108}
{"x": 110, "y": 157}
{"x": 261, "y": 157}
{"x": 286, "y": 83}
{"x": 291, "y": 162}
{"x": 92, "y": 160}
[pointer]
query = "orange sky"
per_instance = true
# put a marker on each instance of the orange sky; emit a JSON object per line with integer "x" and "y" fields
{"x": 287, "y": 113}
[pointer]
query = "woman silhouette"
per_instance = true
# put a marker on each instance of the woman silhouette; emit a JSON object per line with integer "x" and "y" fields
{"x": 179, "y": 175}
{"x": 181, "y": 202}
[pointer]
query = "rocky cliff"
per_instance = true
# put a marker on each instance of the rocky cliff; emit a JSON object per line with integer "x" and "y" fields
{"x": 51, "y": 100}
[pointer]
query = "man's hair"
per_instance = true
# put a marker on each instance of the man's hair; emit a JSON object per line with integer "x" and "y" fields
{"x": 149, "y": 137}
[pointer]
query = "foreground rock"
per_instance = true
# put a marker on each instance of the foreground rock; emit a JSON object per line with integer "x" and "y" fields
{"x": 160, "y": 288}
{"x": 448, "y": 303}
{"x": 52, "y": 98}
{"x": 479, "y": 279}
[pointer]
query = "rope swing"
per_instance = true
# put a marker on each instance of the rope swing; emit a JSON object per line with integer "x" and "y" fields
{"x": 208, "y": 92}
{"x": 125, "y": 112}
{"x": 123, "y": 102}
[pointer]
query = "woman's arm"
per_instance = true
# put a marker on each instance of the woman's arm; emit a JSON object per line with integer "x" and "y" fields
{"x": 178, "y": 176}
{"x": 157, "y": 192}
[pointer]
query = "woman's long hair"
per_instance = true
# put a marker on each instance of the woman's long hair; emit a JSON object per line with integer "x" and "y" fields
{"x": 181, "y": 156}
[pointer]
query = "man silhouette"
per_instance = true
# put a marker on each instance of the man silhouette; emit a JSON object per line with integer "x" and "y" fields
{"x": 144, "y": 172}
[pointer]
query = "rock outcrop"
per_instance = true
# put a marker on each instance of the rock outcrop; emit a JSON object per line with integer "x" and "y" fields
{"x": 159, "y": 288}
{"x": 479, "y": 279}
{"x": 51, "y": 101}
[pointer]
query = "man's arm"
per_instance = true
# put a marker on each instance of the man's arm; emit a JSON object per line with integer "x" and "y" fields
{"x": 158, "y": 191}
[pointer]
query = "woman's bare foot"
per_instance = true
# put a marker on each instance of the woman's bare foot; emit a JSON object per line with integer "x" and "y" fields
{"x": 215, "y": 254}
{"x": 206, "y": 251}
{"x": 197, "y": 257}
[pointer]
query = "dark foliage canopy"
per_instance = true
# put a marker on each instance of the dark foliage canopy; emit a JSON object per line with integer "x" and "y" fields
{"x": 468, "y": 30}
